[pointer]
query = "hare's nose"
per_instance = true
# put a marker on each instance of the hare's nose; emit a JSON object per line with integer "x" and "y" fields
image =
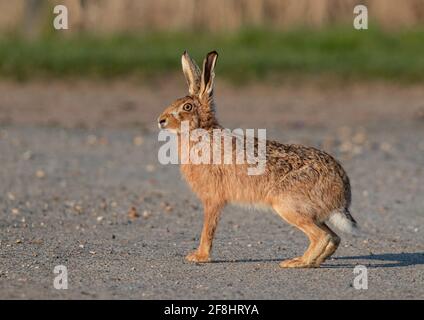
{"x": 162, "y": 123}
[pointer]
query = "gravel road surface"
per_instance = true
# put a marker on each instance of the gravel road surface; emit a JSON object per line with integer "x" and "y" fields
{"x": 84, "y": 189}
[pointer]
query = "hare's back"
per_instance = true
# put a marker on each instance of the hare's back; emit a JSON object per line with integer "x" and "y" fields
{"x": 286, "y": 159}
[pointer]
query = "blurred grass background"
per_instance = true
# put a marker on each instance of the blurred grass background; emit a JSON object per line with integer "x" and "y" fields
{"x": 257, "y": 39}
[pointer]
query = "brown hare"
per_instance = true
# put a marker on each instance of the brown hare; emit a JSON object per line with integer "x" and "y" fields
{"x": 305, "y": 186}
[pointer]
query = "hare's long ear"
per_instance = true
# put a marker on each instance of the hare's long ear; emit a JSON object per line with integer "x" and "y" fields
{"x": 191, "y": 73}
{"x": 208, "y": 74}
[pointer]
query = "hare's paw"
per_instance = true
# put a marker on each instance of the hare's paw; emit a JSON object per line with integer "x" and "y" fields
{"x": 297, "y": 263}
{"x": 195, "y": 256}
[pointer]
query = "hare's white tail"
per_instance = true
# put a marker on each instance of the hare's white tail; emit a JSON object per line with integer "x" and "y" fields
{"x": 344, "y": 221}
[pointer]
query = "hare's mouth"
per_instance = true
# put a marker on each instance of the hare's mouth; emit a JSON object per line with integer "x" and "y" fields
{"x": 171, "y": 130}
{"x": 162, "y": 123}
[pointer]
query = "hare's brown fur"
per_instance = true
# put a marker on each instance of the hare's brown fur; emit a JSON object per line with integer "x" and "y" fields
{"x": 304, "y": 185}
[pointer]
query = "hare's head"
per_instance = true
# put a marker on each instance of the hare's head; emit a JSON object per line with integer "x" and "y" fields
{"x": 197, "y": 107}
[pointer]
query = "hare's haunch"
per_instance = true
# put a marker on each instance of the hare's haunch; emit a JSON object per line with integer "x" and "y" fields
{"x": 305, "y": 186}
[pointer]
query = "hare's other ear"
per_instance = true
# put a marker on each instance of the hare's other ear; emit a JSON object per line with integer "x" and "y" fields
{"x": 208, "y": 74}
{"x": 191, "y": 73}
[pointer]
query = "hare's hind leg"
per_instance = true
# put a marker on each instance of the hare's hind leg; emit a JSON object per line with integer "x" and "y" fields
{"x": 212, "y": 212}
{"x": 323, "y": 241}
{"x": 331, "y": 247}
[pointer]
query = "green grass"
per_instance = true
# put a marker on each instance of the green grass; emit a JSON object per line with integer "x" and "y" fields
{"x": 249, "y": 55}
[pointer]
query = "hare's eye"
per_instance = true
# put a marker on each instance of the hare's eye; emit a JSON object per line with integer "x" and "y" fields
{"x": 187, "y": 107}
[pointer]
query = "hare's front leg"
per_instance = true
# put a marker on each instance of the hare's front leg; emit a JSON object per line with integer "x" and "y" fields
{"x": 212, "y": 212}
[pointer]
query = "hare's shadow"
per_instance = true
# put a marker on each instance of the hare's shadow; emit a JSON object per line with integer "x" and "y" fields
{"x": 391, "y": 260}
